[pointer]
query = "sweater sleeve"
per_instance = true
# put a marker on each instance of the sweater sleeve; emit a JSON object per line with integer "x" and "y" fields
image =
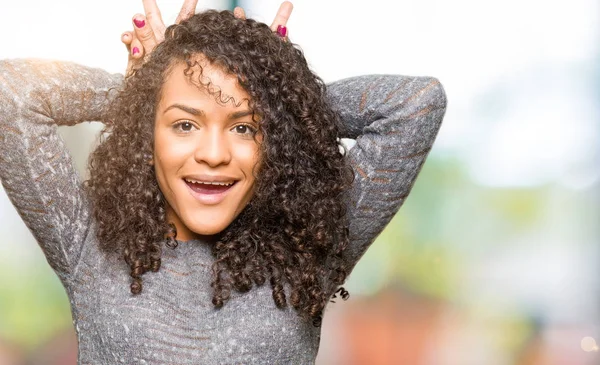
{"x": 35, "y": 166}
{"x": 395, "y": 120}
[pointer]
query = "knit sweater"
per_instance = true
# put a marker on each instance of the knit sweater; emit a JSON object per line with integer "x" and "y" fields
{"x": 394, "y": 120}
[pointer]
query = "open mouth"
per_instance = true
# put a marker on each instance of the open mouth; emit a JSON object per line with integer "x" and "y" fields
{"x": 209, "y": 188}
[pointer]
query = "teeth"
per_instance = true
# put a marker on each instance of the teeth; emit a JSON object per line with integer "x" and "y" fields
{"x": 209, "y": 183}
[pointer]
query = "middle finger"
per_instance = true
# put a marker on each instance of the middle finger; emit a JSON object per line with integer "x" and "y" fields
{"x": 283, "y": 15}
{"x": 187, "y": 10}
{"x": 154, "y": 18}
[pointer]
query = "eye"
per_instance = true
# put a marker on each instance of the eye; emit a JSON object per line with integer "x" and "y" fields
{"x": 245, "y": 129}
{"x": 184, "y": 126}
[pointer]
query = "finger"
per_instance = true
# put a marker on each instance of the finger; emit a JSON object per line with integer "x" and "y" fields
{"x": 144, "y": 33}
{"x": 239, "y": 13}
{"x": 187, "y": 10}
{"x": 126, "y": 39}
{"x": 134, "y": 60}
{"x": 283, "y": 14}
{"x": 137, "y": 50}
{"x": 154, "y": 18}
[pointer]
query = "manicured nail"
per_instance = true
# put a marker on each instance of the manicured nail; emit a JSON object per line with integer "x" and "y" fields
{"x": 281, "y": 30}
{"x": 139, "y": 23}
{"x": 135, "y": 50}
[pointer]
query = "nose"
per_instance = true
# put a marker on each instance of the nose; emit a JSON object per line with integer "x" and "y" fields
{"x": 213, "y": 148}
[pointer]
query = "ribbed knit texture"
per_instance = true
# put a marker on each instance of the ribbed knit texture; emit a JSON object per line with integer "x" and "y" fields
{"x": 394, "y": 120}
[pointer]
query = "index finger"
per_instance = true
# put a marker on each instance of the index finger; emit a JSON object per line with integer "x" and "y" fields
{"x": 154, "y": 17}
{"x": 187, "y": 10}
{"x": 283, "y": 14}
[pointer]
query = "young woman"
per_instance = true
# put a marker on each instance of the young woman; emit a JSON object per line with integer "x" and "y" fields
{"x": 219, "y": 181}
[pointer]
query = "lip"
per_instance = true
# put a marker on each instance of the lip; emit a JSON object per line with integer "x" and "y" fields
{"x": 210, "y": 178}
{"x": 209, "y": 199}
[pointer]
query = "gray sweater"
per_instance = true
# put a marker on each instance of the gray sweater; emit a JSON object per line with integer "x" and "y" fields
{"x": 394, "y": 120}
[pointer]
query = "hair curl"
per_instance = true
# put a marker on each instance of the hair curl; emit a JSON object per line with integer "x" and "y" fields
{"x": 294, "y": 231}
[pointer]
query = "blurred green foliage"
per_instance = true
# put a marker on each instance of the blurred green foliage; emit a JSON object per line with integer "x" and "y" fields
{"x": 33, "y": 304}
{"x": 446, "y": 219}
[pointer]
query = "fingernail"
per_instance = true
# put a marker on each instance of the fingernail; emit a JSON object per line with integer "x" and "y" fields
{"x": 139, "y": 23}
{"x": 281, "y": 30}
{"x": 135, "y": 50}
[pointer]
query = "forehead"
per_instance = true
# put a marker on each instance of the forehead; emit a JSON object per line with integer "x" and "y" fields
{"x": 201, "y": 82}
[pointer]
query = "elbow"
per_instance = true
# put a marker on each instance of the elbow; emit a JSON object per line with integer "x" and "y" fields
{"x": 428, "y": 101}
{"x": 438, "y": 95}
{"x": 430, "y": 93}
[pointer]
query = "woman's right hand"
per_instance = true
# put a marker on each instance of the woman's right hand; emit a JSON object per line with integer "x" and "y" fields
{"x": 149, "y": 29}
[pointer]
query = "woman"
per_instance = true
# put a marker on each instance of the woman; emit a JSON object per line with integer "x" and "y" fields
{"x": 227, "y": 144}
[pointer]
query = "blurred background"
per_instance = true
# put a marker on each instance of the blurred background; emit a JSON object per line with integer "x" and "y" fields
{"x": 494, "y": 257}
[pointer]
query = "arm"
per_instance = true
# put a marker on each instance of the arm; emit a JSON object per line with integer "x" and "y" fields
{"x": 35, "y": 167}
{"x": 394, "y": 120}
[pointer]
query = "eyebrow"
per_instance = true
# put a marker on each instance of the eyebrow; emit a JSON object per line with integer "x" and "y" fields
{"x": 198, "y": 112}
{"x": 185, "y": 108}
{"x": 240, "y": 114}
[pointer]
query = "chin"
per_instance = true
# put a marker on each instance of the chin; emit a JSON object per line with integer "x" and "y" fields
{"x": 204, "y": 229}
{"x": 208, "y": 231}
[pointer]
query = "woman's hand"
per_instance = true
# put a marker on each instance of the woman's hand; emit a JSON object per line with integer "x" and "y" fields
{"x": 280, "y": 21}
{"x": 149, "y": 29}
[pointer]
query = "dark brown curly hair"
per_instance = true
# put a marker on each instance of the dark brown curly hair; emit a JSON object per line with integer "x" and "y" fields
{"x": 294, "y": 231}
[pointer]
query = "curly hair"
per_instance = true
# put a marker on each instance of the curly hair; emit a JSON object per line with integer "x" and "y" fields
{"x": 294, "y": 231}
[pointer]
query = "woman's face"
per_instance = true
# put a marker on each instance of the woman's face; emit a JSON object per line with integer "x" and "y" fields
{"x": 204, "y": 151}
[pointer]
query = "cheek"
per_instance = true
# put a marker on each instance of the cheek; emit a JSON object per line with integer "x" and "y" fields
{"x": 171, "y": 152}
{"x": 249, "y": 159}
{"x": 170, "y": 155}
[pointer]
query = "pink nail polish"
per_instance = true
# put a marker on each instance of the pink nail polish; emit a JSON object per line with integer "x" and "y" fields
{"x": 139, "y": 23}
{"x": 281, "y": 30}
{"x": 135, "y": 50}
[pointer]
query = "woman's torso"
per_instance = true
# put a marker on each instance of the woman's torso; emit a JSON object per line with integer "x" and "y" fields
{"x": 173, "y": 320}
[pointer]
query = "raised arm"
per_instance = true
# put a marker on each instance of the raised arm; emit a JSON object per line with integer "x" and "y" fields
{"x": 35, "y": 167}
{"x": 394, "y": 120}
